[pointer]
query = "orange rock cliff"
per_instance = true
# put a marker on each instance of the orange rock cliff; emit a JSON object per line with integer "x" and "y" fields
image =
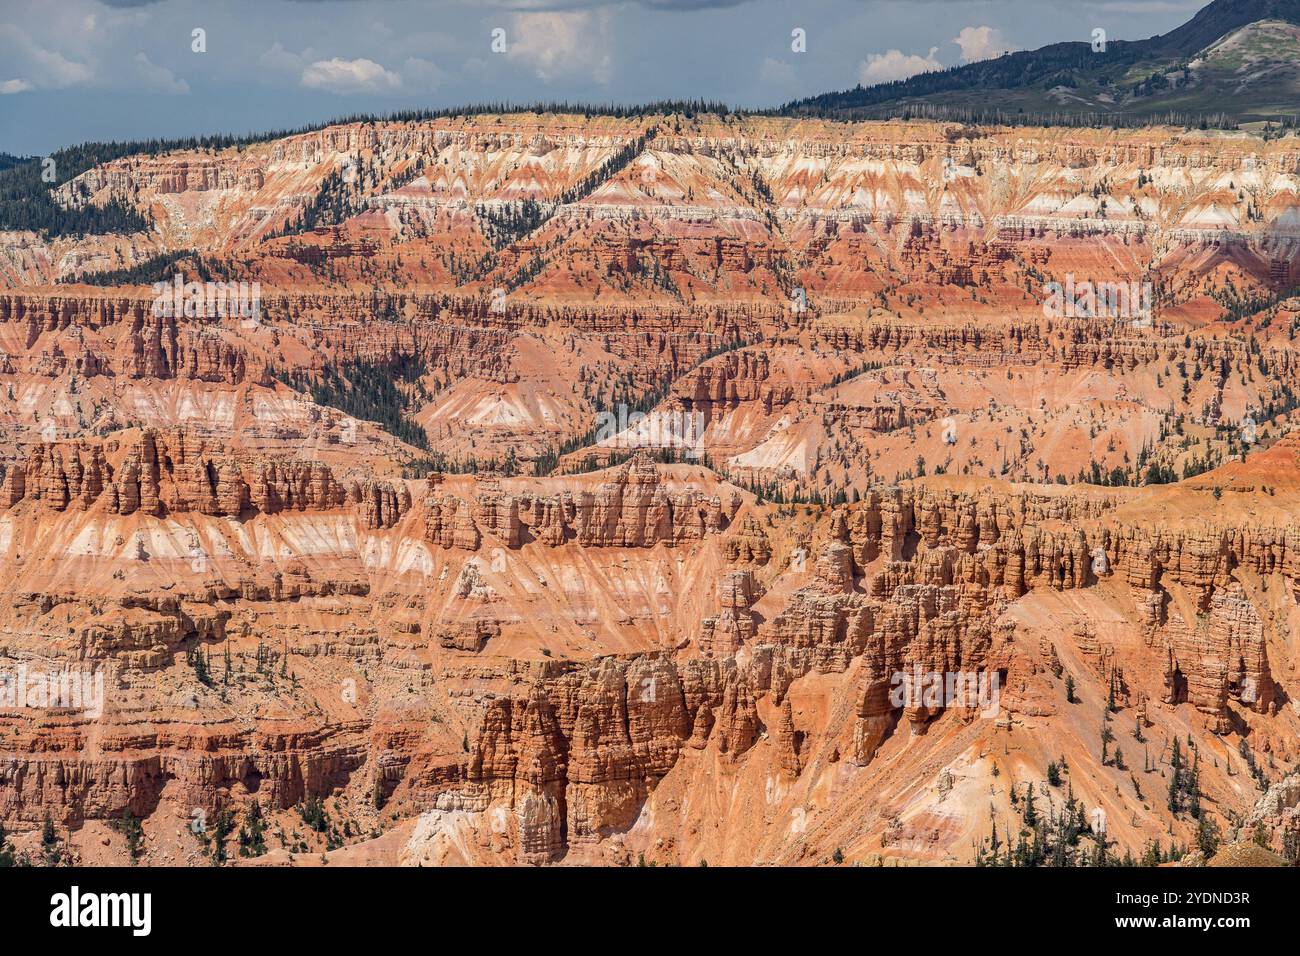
{"x": 418, "y": 550}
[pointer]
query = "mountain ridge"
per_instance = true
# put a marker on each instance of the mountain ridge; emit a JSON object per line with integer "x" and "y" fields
{"x": 1128, "y": 78}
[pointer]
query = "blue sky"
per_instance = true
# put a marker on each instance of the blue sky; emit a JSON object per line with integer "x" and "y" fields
{"x": 79, "y": 70}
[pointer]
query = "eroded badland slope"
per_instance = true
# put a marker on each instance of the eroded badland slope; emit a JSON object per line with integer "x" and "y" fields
{"x": 578, "y": 489}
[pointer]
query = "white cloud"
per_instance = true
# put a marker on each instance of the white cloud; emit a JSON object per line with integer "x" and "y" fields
{"x": 895, "y": 65}
{"x": 422, "y": 74}
{"x": 777, "y": 73}
{"x": 14, "y": 86}
{"x": 349, "y": 76}
{"x": 158, "y": 77}
{"x": 560, "y": 44}
{"x": 43, "y": 68}
{"x": 981, "y": 43}
{"x": 280, "y": 60}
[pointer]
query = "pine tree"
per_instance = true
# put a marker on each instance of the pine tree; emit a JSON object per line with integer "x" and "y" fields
{"x": 50, "y": 850}
{"x": 1175, "y": 779}
{"x": 1193, "y": 792}
{"x": 7, "y": 855}
{"x": 134, "y": 834}
{"x": 1207, "y": 837}
{"x": 1291, "y": 846}
{"x": 200, "y": 665}
{"x": 252, "y": 835}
